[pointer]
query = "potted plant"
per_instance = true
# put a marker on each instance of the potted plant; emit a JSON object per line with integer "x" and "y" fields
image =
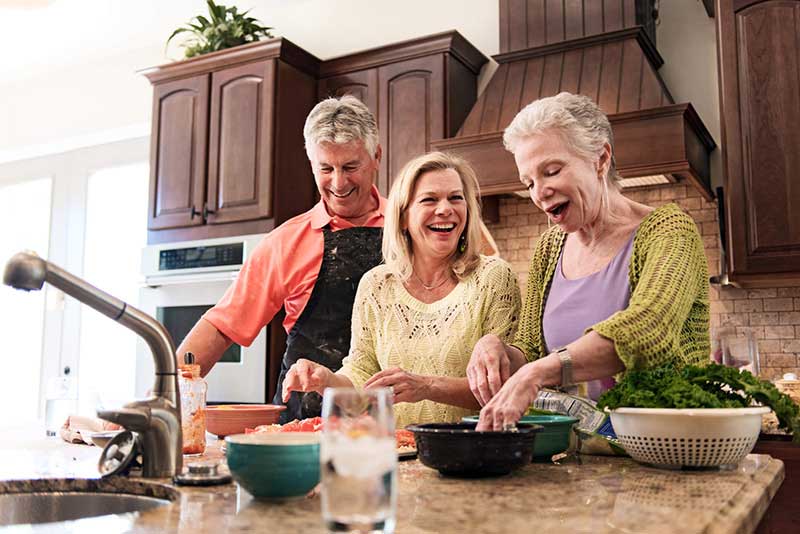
{"x": 224, "y": 28}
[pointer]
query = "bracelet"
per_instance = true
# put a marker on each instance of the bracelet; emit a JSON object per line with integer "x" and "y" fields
{"x": 566, "y": 366}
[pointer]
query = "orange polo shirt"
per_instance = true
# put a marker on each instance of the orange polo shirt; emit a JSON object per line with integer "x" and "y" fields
{"x": 281, "y": 271}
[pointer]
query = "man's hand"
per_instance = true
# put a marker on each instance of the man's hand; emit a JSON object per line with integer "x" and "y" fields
{"x": 512, "y": 401}
{"x": 408, "y": 387}
{"x": 489, "y": 368}
{"x": 305, "y": 375}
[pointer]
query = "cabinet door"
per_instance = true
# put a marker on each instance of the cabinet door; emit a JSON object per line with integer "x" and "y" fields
{"x": 361, "y": 84}
{"x": 241, "y": 139}
{"x": 760, "y": 104}
{"x": 178, "y": 153}
{"x": 411, "y": 112}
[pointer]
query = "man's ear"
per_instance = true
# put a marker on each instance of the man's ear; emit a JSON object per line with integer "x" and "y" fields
{"x": 378, "y": 153}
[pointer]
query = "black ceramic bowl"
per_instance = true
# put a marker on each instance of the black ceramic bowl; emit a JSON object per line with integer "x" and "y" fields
{"x": 456, "y": 449}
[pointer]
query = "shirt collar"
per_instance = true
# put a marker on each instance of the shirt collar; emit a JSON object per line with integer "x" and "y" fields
{"x": 320, "y": 216}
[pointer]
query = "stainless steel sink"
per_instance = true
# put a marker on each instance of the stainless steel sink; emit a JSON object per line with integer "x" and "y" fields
{"x": 47, "y": 501}
{"x": 25, "y": 508}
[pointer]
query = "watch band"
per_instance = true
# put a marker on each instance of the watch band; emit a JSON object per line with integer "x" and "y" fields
{"x": 566, "y": 366}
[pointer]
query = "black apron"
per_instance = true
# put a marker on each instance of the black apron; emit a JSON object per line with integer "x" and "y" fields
{"x": 322, "y": 332}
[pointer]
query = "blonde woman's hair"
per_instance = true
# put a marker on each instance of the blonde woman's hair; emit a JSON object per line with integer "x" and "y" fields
{"x": 398, "y": 252}
{"x": 341, "y": 120}
{"x": 581, "y": 123}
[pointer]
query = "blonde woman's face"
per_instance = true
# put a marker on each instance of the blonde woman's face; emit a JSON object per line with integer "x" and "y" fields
{"x": 566, "y": 187}
{"x": 437, "y": 214}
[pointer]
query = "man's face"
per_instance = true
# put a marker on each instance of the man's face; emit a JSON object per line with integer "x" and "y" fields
{"x": 344, "y": 174}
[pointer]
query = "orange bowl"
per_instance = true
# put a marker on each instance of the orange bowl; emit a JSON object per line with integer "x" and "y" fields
{"x": 227, "y": 419}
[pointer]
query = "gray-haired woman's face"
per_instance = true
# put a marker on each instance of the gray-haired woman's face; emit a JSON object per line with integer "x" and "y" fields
{"x": 565, "y": 186}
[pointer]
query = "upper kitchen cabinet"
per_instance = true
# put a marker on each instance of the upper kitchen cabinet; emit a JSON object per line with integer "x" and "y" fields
{"x": 759, "y": 60}
{"x": 227, "y": 152}
{"x": 419, "y": 90}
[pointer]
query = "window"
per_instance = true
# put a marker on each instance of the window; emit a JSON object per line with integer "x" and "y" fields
{"x": 25, "y": 220}
{"x": 116, "y": 231}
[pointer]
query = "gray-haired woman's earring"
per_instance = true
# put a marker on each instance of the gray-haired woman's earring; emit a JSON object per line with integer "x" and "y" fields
{"x": 462, "y": 243}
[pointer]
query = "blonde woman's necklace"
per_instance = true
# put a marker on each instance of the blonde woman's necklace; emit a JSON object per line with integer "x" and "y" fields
{"x": 435, "y": 286}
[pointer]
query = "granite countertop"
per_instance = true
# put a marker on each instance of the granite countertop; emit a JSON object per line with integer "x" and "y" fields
{"x": 578, "y": 494}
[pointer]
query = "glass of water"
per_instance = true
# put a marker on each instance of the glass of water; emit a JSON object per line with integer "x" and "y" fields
{"x": 358, "y": 459}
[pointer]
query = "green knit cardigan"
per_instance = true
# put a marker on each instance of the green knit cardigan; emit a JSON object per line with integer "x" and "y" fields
{"x": 667, "y": 318}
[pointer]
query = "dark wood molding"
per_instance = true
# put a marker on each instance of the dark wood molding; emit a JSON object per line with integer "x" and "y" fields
{"x": 272, "y": 48}
{"x": 208, "y": 231}
{"x": 665, "y": 140}
{"x": 450, "y": 42}
{"x": 637, "y": 32}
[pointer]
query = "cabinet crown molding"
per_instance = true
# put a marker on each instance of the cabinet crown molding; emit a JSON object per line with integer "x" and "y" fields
{"x": 278, "y": 48}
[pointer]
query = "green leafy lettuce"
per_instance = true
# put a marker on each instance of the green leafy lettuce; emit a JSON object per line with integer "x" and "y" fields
{"x": 710, "y": 386}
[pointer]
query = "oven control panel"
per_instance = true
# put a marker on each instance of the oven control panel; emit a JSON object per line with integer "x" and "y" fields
{"x": 171, "y": 259}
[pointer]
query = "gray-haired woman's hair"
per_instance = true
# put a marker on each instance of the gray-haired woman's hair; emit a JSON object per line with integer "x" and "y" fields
{"x": 341, "y": 120}
{"x": 398, "y": 252}
{"x": 582, "y": 124}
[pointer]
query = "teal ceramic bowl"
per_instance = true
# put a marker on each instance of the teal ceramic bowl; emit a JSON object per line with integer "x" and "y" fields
{"x": 552, "y": 439}
{"x": 275, "y": 465}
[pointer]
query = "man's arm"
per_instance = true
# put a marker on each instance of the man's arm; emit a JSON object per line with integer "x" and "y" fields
{"x": 206, "y": 343}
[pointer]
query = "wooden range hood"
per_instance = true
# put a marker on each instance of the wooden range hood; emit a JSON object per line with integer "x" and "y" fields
{"x": 604, "y": 50}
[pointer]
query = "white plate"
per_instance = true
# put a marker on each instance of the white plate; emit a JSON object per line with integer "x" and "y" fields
{"x": 102, "y": 438}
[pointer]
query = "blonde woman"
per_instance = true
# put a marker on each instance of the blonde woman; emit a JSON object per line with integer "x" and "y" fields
{"x": 417, "y": 317}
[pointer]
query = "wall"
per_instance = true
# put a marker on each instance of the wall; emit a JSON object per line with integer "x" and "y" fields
{"x": 771, "y": 314}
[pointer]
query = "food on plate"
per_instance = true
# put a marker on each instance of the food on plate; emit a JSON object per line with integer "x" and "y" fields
{"x": 404, "y": 438}
{"x": 710, "y": 386}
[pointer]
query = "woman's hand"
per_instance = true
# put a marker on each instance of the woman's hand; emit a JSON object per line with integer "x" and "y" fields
{"x": 489, "y": 368}
{"x": 512, "y": 401}
{"x": 306, "y": 375}
{"x": 408, "y": 387}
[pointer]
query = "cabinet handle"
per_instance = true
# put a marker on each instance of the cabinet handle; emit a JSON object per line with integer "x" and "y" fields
{"x": 206, "y": 211}
{"x": 195, "y": 213}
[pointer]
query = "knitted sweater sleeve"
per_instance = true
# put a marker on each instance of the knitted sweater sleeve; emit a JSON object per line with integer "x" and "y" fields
{"x": 529, "y": 334}
{"x": 502, "y": 301}
{"x": 670, "y": 267}
{"x": 362, "y": 361}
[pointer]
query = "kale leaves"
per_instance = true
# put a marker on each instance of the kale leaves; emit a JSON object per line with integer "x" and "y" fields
{"x": 710, "y": 386}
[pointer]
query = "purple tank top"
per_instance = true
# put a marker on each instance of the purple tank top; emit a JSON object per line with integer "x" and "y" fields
{"x": 572, "y": 306}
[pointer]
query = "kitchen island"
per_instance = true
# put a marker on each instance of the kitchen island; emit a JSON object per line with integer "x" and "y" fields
{"x": 577, "y": 494}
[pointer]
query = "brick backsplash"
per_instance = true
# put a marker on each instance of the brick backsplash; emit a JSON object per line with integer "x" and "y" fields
{"x": 772, "y": 315}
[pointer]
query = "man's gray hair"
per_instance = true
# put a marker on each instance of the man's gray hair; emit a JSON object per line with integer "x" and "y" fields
{"x": 341, "y": 120}
{"x": 582, "y": 124}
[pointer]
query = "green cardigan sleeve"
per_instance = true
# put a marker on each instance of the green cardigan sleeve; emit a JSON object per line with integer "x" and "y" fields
{"x": 668, "y": 309}
{"x": 529, "y": 338}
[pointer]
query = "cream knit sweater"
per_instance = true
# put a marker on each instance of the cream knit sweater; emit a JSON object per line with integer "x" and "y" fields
{"x": 393, "y": 329}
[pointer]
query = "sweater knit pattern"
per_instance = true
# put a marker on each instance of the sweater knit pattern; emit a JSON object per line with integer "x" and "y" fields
{"x": 393, "y": 329}
{"x": 667, "y": 318}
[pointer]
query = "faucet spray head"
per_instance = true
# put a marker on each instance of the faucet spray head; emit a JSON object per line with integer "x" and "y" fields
{"x": 26, "y": 271}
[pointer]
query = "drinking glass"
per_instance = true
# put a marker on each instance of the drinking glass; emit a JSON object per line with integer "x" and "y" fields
{"x": 358, "y": 460}
{"x": 734, "y": 349}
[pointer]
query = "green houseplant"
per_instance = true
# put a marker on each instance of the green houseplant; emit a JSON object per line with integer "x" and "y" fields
{"x": 224, "y": 28}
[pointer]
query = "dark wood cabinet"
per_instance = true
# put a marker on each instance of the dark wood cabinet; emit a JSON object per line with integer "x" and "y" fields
{"x": 178, "y": 149}
{"x": 225, "y": 126}
{"x": 419, "y": 90}
{"x": 759, "y": 60}
{"x": 783, "y": 513}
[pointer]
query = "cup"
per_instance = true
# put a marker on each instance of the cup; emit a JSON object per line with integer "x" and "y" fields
{"x": 736, "y": 349}
{"x": 358, "y": 460}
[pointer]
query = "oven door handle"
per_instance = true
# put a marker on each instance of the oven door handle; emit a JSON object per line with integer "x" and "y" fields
{"x": 177, "y": 279}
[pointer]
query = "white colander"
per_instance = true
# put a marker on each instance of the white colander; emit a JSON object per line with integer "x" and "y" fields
{"x": 702, "y": 437}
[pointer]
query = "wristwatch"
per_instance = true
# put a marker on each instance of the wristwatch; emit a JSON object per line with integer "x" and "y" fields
{"x": 566, "y": 366}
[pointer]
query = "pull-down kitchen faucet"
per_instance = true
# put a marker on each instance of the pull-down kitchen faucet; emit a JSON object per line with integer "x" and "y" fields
{"x": 156, "y": 419}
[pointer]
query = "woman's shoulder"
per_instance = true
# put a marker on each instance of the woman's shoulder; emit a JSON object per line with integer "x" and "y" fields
{"x": 667, "y": 219}
{"x": 493, "y": 270}
{"x": 378, "y": 277}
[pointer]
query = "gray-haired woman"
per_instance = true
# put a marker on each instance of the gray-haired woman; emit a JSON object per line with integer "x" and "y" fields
{"x": 416, "y": 318}
{"x": 614, "y": 285}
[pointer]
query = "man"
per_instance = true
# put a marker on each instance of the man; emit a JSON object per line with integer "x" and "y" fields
{"x": 312, "y": 263}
